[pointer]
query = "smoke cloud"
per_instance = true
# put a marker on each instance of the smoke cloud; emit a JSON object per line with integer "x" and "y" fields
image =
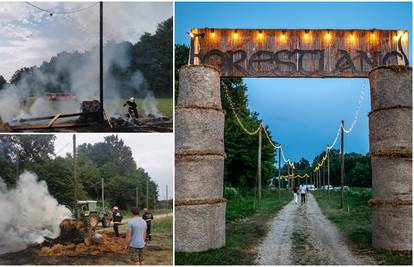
{"x": 78, "y": 73}
{"x": 30, "y": 213}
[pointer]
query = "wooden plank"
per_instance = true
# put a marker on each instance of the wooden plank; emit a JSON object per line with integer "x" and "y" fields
{"x": 320, "y": 53}
{"x": 45, "y": 126}
{"x": 54, "y": 119}
{"x": 52, "y": 116}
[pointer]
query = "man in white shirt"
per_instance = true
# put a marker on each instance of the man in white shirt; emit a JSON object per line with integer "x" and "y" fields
{"x": 135, "y": 237}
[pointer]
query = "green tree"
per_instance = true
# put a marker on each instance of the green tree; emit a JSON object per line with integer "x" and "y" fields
{"x": 3, "y": 82}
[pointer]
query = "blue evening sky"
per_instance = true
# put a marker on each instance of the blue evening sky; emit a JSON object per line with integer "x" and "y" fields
{"x": 303, "y": 114}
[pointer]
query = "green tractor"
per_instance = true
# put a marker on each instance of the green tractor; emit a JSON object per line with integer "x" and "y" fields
{"x": 89, "y": 212}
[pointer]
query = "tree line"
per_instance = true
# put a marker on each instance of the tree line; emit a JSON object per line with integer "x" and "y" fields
{"x": 151, "y": 55}
{"x": 240, "y": 166}
{"x": 110, "y": 159}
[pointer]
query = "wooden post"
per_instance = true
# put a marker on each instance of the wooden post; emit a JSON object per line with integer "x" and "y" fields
{"x": 103, "y": 192}
{"x": 259, "y": 168}
{"x": 75, "y": 176}
{"x": 342, "y": 164}
{"x": 329, "y": 175}
{"x": 323, "y": 177}
{"x": 101, "y": 111}
{"x": 147, "y": 205}
{"x": 280, "y": 171}
{"x": 166, "y": 197}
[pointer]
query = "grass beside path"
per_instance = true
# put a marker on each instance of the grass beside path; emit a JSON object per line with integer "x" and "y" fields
{"x": 245, "y": 229}
{"x": 355, "y": 222}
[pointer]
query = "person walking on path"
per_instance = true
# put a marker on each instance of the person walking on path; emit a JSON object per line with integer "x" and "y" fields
{"x": 135, "y": 237}
{"x": 295, "y": 194}
{"x": 302, "y": 191}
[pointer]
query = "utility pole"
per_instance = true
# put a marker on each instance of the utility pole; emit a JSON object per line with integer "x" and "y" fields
{"x": 329, "y": 175}
{"x": 288, "y": 180}
{"x": 166, "y": 198}
{"x": 280, "y": 173}
{"x": 155, "y": 201}
{"x": 103, "y": 193}
{"x": 147, "y": 193}
{"x": 323, "y": 177}
{"x": 136, "y": 197}
{"x": 75, "y": 175}
{"x": 259, "y": 168}
{"x": 342, "y": 164}
{"x": 101, "y": 111}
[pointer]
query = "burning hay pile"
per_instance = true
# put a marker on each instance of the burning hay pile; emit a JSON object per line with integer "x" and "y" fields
{"x": 75, "y": 240}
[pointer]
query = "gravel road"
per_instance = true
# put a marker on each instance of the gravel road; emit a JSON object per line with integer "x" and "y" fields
{"x": 301, "y": 235}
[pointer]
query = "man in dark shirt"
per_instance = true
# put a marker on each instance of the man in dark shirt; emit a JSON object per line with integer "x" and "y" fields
{"x": 117, "y": 219}
{"x": 132, "y": 107}
{"x": 148, "y": 217}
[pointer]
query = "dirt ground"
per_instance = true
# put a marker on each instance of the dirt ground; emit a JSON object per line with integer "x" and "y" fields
{"x": 301, "y": 235}
{"x": 157, "y": 252}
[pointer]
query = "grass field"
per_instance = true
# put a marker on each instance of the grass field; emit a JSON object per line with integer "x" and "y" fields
{"x": 164, "y": 105}
{"x": 355, "y": 222}
{"x": 245, "y": 228}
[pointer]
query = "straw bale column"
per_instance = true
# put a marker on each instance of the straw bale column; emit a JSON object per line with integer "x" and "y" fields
{"x": 199, "y": 161}
{"x": 390, "y": 137}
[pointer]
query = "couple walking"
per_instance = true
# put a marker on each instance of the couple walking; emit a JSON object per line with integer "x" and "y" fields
{"x": 301, "y": 190}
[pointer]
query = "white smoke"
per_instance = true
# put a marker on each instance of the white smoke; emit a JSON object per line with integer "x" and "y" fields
{"x": 149, "y": 105}
{"x": 30, "y": 213}
{"x": 29, "y": 99}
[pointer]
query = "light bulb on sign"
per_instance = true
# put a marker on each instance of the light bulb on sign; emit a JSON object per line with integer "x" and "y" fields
{"x": 235, "y": 35}
{"x": 260, "y": 35}
{"x": 328, "y": 36}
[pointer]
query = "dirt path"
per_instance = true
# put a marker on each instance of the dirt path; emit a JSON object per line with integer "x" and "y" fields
{"x": 302, "y": 235}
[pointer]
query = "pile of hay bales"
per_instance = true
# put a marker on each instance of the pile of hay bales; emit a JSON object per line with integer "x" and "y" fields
{"x": 105, "y": 243}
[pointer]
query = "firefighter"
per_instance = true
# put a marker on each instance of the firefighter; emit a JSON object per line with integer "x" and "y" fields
{"x": 117, "y": 219}
{"x": 132, "y": 107}
{"x": 148, "y": 217}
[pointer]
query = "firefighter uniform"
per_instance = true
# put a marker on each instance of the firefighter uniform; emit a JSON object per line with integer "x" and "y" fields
{"x": 132, "y": 107}
{"x": 148, "y": 217}
{"x": 117, "y": 219}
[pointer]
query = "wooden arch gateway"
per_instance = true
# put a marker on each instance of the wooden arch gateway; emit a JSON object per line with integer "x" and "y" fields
{"x": 380, "y": 55}
{"x": 298, "y": 53}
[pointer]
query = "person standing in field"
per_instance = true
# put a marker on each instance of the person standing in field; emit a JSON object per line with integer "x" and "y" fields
{"x": 135, "y": 237}
{"x": 117, "y": 219}
{"x": 295, "y": 194}
{"x": 148, "y": 217}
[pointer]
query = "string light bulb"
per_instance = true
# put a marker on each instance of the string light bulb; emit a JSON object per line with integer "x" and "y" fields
{"x": 283, "y": 37}
{"x": 306, "y": 35}
{"x": 212, "y": 34}
{"x": 328, "y": 36}
{"x": 260, "y": 34}
{"x": 235, "y": 34}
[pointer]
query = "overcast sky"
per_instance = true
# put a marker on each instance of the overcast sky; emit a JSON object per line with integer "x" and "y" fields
{"x": 152, "y": 152}
{"x": 29, "y": 36}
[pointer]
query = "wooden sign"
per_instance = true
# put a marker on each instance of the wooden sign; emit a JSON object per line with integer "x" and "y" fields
{"x": 298, "y": 53}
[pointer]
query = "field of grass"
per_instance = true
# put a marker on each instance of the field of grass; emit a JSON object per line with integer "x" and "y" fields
{"x": 245, "y": 229}
{"x": 164, "y": 105}
{"x": 355, "y": 222}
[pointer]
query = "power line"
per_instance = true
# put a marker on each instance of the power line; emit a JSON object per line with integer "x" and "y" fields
{"x": 51, "y": 12}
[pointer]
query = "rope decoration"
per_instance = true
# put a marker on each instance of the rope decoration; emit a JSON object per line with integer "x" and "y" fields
{"x": 187, "y": 153}
{"x": 389, "y": 202}
{"x": 200, "y": 107}
{"x": 193, "y": 202}
{"x": 393, "y": 153}
{"x": 389, "y": 108}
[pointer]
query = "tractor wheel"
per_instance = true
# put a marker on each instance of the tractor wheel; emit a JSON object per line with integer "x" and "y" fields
{"x": 106, "y": 221}
{"x": 93, "y": 220}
